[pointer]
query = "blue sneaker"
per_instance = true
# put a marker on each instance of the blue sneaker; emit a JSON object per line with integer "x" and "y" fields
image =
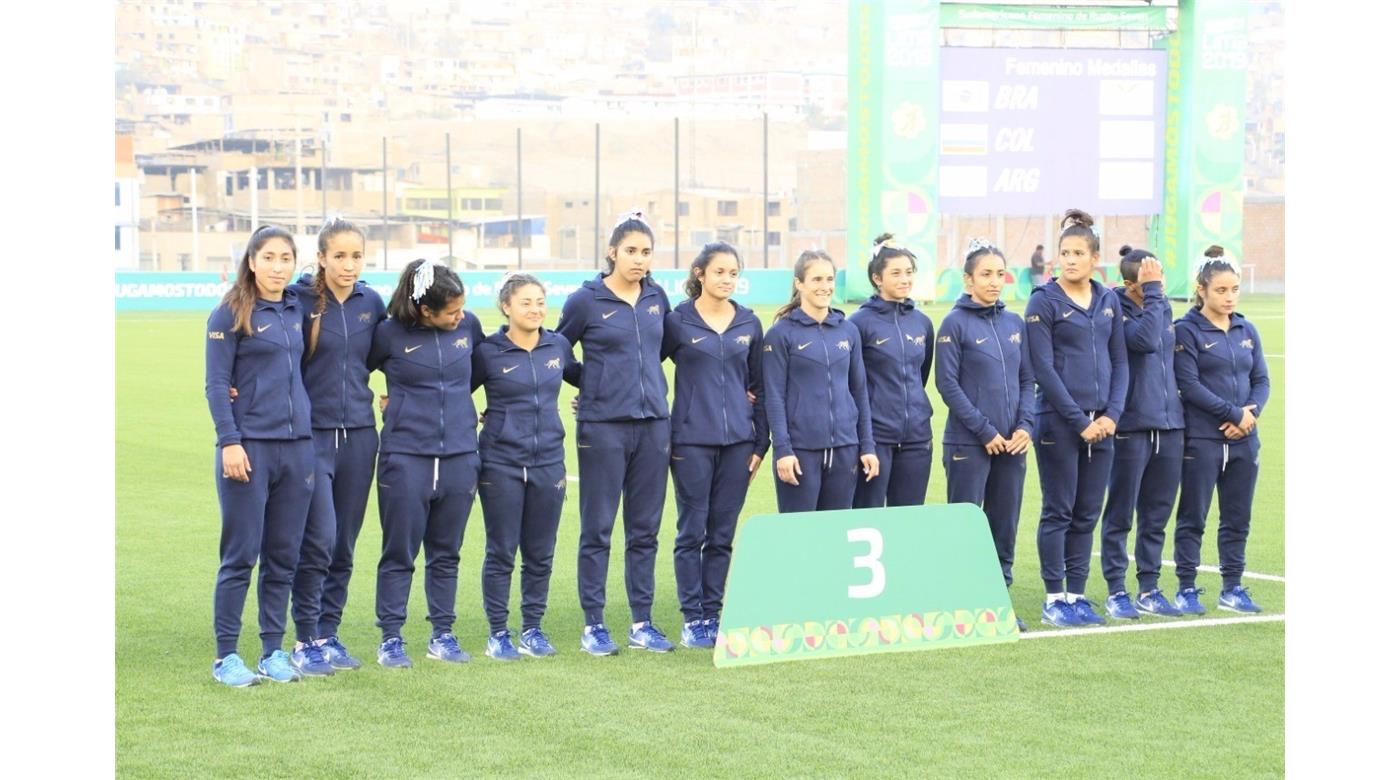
{"x": 597, "y": 641}
{"x": 1237, "y": 599}
{"x": 337, "y": 655}
{"x": 393, "y": 655}
{"x": 1084, "y": 610}
{"x": 311, "y": 661}
{"x": 712, "y": 628}
{"x": 649, "y": 637}
{"x": 696, "y": 633}
{"x": 1059, "y": 613}
{"x": 1155, "y": 603}
{"x": 444, "y": 647}
{"x": 278, "y": 667}
{"x": 1120, "y": 606}
{"x": 1189, "y": 601}
{"x": 499, "y": 646}
{"x": 534, "y": 642}
{"x": 231, "y": 671}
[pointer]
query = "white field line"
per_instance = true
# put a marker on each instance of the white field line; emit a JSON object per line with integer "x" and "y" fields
{"x": 1279, "y": 355}
{"x": 1212, "y": 569}
{"x": 1178, "y": 623}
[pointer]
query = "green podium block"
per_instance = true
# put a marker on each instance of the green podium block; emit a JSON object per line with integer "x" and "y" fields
{"x": 813, "y": 585}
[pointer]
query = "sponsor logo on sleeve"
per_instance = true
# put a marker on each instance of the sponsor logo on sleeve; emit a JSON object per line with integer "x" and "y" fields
{"x": 216, "y": 335}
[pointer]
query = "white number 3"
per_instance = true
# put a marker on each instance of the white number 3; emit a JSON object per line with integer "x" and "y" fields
{"x": 870, "y": 560}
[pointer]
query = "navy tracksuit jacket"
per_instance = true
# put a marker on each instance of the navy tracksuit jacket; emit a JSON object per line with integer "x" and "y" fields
{"x": 1147, "y": 446}
{"x": 814, "y": 394}
{"x": 265, "y": 517}
{"x": 343, "y": 430}
{"x": 623, "y": 436}
{"x": 897, "y": 348}
{"x": 1219, "y": 373}
{"x": 983, "y": 372}
{"x": 714, "y": 433}
{"x": 1081, "y": 372}
{"x": 522, "y": 483}
{"x": 428, "y": 464}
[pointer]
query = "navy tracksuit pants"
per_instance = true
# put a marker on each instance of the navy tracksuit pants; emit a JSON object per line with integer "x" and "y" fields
{"x": 828, "y": 480}
{"x": 1145, "y": 475}
{"x": 521, "y": 506}
{"x": 993, "y": 482}
{"x": 903, "y": 480}
{"x": 620, "y": 462}
{"x": 711, "y": 484}
{"x": 344, "y": 471}
{"x": 1073, "y": 477}
{"x": 263, "y": 522}
{"x": 1233, "y": 469}
{"x": 424, "y": 502}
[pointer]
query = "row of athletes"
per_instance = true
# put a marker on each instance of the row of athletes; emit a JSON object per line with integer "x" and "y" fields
{"x": 1113, "y": 395}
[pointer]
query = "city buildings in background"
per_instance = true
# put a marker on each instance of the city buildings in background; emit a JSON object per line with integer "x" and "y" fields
{"x": 233, "y": 113}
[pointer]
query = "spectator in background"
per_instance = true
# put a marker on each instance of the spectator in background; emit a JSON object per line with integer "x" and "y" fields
{"x": 1038, "y": 265}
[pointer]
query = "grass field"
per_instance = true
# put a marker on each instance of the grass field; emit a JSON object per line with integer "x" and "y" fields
{"x": 1205, "y": 701}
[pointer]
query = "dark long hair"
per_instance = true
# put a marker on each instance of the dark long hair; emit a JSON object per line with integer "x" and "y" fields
{"x": 244, "y": 293}
{"x": 702, "y": 261}
{"x": 799, "y": 274}
{"x": 446, "y": 286}
{"x": 334, "y": 227}
{"x": 1209, "y": 270}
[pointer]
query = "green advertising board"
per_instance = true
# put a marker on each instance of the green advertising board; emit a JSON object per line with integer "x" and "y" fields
{"x": 810, "y": 585}
{"x": 1203, "y": 203}
{"x": 892, "y": 132}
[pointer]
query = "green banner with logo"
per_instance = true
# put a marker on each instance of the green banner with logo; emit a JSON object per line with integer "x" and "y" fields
{"x": 1020, "y": 17}
{"x": 1204, "y": 176}
{"x": 892, "y": 133}
{"x": 810, "y": 585}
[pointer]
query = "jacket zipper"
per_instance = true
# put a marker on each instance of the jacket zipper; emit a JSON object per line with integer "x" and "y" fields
{"x": 830, "y": 393}
{"x": 442, "y": 404}
{"x": 530, "y": 356}
{"x": 903, "y": 377}
{"x": 1005, "y": 381}
{"x": 291, "y": 379}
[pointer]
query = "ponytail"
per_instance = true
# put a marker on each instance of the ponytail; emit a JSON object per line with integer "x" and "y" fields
{"x": 799, "y": 274}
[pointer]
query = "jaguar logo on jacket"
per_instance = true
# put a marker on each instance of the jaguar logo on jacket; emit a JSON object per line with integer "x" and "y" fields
{"x": 462, "y": 343}
{"x": 553, "y": 363}
{"x": 744, "y": 339}
{"x": 1015, "y": 338}
{"x": 844, "y": 344}
{"x": 918, "y": 340}
{"x": 655, "y": 308}
{"x": 365, "y": 317}
{"x": 1247, "y": 343}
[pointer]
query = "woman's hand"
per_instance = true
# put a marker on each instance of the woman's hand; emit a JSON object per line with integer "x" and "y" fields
{"x": 236, "y": 465}
{"x": 573, "y": 405}
{"x": 871, "y": 465}
{"x": 1248, "y": 422}
{"x": 1020, "y": 442}
{"x": 383, "y": 404}
{"x": 1109, "y": 426}
{"x": 754, "y": 462}
{"x": 1232, "y": 431}
{"x": 753, "y": 399}
{"x": 1092, "y": 433}
{"x": 789, "y": 469}
{"x": 996, "y": 446}
{"x": 1150, "y": 270}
